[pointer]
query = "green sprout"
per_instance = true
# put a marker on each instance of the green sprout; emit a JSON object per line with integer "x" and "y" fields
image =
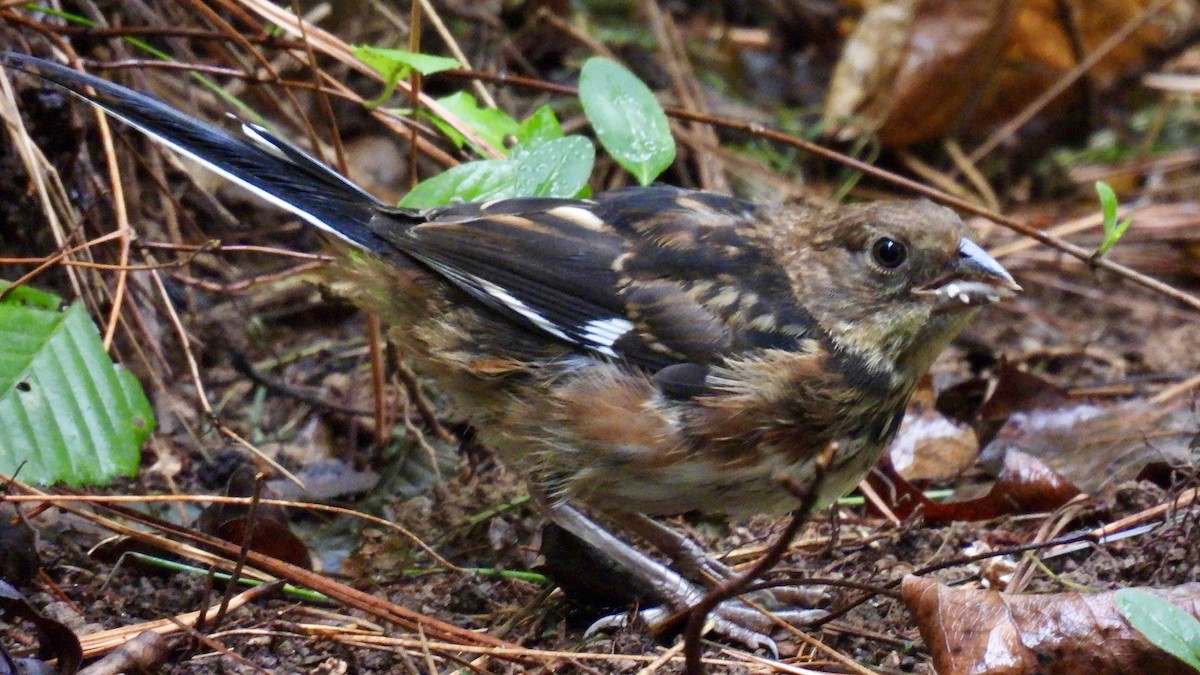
{"x": 1112, "y": 229}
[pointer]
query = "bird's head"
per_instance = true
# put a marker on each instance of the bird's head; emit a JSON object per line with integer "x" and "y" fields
{"x": 895, "y": 281}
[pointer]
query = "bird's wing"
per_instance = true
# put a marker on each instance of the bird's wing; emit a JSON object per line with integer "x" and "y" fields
{"x": 657, "y": 277}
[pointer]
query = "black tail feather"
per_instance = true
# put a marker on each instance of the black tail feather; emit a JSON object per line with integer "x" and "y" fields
{"x": 264, "y": 164}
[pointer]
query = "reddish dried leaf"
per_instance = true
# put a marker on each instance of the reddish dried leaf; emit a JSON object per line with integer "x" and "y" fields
{"x": 1025, "y": 485}
{"x": 976, "y": 631}
{"x": 1046, "y": 448}
{"x": 1019, "y": 391}
{"x": 1090, "y": 446}
{"x": 270, "y": 534}
{"x": 269, "y": 537}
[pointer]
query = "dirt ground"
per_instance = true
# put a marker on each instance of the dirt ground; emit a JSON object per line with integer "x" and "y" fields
{"x": 287, "y": 364}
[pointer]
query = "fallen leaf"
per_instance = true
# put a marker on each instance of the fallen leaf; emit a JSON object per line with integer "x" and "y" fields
{"x": 265, "y": 532}
{"x": 55, "y": 640}
{"x": 931, "y": 445}
{"x": 976, "y": 631}
{"x": 918, "y": 71}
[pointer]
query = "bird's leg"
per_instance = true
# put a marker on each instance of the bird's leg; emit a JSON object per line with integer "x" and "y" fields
{"x": 691, "y": 560}
{"x": 731, "y": 619}
{"x": 688, "y": 557}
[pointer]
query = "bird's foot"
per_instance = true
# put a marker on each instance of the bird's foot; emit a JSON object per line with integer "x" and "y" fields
{"x": 730, "y": 620}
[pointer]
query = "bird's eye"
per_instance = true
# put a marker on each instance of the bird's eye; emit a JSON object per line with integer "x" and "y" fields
{"x": 889, "y": 253}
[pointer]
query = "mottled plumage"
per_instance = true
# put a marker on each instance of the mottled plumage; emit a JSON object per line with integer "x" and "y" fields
{"x": 653, "y": 350}
{"x": 662, "y": 350}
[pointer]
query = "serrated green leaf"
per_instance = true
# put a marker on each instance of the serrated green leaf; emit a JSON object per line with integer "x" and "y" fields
{"x": 491, "y": 124}
{"x": 556, "y": 168}
{"x": 1168, "y": 627}
{"x": 67, "y": 413}
{"x": 470, "y": 182}
{"x": 628, "y": 120}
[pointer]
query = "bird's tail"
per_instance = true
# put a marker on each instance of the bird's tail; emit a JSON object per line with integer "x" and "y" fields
{"x": 259, "y": 161}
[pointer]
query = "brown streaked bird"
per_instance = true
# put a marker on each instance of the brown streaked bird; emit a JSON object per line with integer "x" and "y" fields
{"x": 650, "y": 351}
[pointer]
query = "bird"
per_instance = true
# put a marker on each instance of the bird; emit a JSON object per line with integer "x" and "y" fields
{"x": 649, "y": 351}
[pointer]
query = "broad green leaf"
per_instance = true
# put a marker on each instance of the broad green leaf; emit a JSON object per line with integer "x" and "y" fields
{"x": 471, "y": 182}
{"x": 491, "y": 124}
{"x": 1170, "y": 628}
{"x": 67, "y": 413}
{"x": 396, "y": 64}
{"x": 555, "y": 168}
{"x": 628, "y": 120}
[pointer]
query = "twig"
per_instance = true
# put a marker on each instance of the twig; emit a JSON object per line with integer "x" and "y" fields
{"x": 242, "y": 364}
{"x": 687, "y": 92}
{"x": 244, "y": 549}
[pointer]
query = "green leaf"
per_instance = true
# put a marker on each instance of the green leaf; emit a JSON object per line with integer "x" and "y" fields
{"x": 1108, "y": 202}
{"x": 396, "y": 64}
{"x": 1113, "y": 231}
{"x": 471, "y": 182}
{"x": 556, "y": 168}
{"x": 491, "y": 124}
{"x": 67, "y": 413}
{"x": 538, "y": 128}
{"x": 1170, "y": 628}
{"x": 29, "y": 297}
{"x": 628, "y": 120}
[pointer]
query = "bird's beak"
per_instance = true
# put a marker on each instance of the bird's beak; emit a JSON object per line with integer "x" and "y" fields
{"x": 974, "y": 279}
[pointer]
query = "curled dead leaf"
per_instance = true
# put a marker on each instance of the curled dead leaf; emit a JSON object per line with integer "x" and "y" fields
{"x": 1025, "y": 485}
{"x": 55, "y": 640}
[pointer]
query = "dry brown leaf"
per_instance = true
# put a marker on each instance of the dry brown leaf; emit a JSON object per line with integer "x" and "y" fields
{"x": 1095, "y": 448}
{"x": 1088, "y": 446}
{"x": 267, "y": 532}
{"x": 56, "y": 641}
{"x": 976, "y": 631}
{"x": 930, "y": 445}
{"x": 970, "y": 65}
